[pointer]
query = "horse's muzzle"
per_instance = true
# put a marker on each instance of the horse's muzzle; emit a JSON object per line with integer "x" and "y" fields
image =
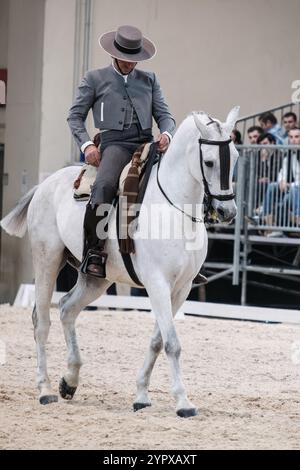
{"x": 226, "y": 215}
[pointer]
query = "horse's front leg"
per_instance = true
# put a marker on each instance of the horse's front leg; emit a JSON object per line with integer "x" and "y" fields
{"x": 143, "y": 380}
{"x": 160, "y": 297}
{"x": 86, "y": 290}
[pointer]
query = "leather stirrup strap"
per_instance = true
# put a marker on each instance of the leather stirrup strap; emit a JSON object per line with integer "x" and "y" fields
{"x": 126, "y": 256}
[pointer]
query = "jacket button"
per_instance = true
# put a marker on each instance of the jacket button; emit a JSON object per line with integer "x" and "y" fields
{"x": 124, "y": 97}
{"x": 122, "y": 109}
{"x": 120, "y": 122}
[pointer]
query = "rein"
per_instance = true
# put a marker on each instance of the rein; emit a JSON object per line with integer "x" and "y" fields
{"x": 224, "y": 155}
{"x": 194, "y": 219}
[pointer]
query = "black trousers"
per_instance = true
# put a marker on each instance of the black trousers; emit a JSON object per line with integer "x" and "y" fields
{"x": 117, "y": 148}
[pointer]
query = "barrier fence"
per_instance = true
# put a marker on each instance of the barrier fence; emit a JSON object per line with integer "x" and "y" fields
{"x": 26, "y": 299}
{"x": 267, "y": 187}
{"x": 252, "y": 120}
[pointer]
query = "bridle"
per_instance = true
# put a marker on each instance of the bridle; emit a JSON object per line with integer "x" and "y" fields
{"x": 224, "y": 155}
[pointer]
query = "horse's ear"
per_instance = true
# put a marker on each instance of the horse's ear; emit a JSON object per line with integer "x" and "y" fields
{"x": 231, "y": 119}
{"x": 201, "y": 127}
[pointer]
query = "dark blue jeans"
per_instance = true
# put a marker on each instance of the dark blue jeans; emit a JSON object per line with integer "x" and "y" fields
{"x": 290, "y": 200}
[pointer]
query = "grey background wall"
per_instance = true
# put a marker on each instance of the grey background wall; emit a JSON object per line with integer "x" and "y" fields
{"x": 212, "y": 54}
{"x": 22, "y": 131}
{"x": 4, "y": 12}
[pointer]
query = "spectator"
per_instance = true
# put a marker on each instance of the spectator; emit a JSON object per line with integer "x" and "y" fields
{"x": 289, "y": 121}
{"x": 268, "y": 166}
{"x": 287, "y": 189}
{"x": 268, "y": 169}
{"x": 289, "y": 177}
{"x": 269, "y": 124}
{"x": 236, "y": 137}
{"x": 266, "y": 139}
{"x": 253, "y": 133}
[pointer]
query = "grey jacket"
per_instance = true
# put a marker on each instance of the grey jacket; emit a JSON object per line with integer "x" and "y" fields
{"x": 106, "y": 92}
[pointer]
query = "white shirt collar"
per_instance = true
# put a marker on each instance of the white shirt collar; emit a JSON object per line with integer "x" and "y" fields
{"x": 119, "y": 73}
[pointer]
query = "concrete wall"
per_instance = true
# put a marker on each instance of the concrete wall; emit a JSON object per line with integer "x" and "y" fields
{"x": 213, "y": 54}
{"x": 4, "y": 12}
{"x": 22, "y": 137}
{"x": 57, "y": 91}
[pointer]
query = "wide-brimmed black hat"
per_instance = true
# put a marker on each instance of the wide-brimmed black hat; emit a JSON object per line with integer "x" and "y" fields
{"x": 127, "y": 43}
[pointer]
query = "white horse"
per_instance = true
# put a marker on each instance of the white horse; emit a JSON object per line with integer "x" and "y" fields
{"x": 166, "y": 267}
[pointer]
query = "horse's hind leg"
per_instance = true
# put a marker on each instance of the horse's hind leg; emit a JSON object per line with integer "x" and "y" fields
{"x": 83, "y": 293}
{"x": 45, "y": 278}
{"x": 142, "y": 400}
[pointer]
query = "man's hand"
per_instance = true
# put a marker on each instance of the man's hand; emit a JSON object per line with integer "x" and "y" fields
{"x": 283, "y": 186}
{"x": 164, "y": 142}
{"x": 265, "y": 179}
{"x": 92, "y": 155}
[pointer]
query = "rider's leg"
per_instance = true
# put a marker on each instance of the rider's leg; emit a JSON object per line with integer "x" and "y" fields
{"x": 113, "y": 160}
{"x": 94, "y": 257}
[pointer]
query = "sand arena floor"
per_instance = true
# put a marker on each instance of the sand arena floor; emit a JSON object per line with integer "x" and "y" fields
{"x": 243, "y": 377}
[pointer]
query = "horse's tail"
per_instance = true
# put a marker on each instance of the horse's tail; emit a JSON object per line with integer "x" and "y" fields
{"x": 15, "y": 222}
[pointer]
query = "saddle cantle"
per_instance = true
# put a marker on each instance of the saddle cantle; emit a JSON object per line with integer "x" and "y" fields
{"x": 83, "y": 183}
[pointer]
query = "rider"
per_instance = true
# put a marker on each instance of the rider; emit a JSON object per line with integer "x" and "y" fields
{"x": 124, "y": 100}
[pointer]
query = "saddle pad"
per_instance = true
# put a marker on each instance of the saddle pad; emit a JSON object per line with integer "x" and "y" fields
{"x": 87, "y": 176}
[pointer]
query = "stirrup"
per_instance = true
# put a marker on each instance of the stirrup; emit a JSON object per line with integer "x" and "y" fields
{"x": 98, "y": 260}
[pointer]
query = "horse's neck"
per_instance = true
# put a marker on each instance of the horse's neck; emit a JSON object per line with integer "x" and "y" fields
{"x": 174, "y": 173}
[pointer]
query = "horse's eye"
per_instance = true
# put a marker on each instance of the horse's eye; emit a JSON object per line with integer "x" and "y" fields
{"x": 209, "y": 164}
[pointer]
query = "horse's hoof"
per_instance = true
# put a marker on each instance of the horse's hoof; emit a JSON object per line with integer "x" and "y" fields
{"x": 187, "y": 413}
{"x": 140, "y": 406}
{"x": 46, "y": 399}
{"x": 65, "y": 390}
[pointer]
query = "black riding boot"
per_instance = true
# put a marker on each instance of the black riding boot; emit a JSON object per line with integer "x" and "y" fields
{"x": 94, "y": 257}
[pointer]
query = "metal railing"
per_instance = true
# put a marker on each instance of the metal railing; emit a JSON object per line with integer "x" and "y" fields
{"x": 252, "y": 120}
{"x": 267, "y": 226}
{"x": 271, "y": 185}
{"x": 268, "y": 199}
